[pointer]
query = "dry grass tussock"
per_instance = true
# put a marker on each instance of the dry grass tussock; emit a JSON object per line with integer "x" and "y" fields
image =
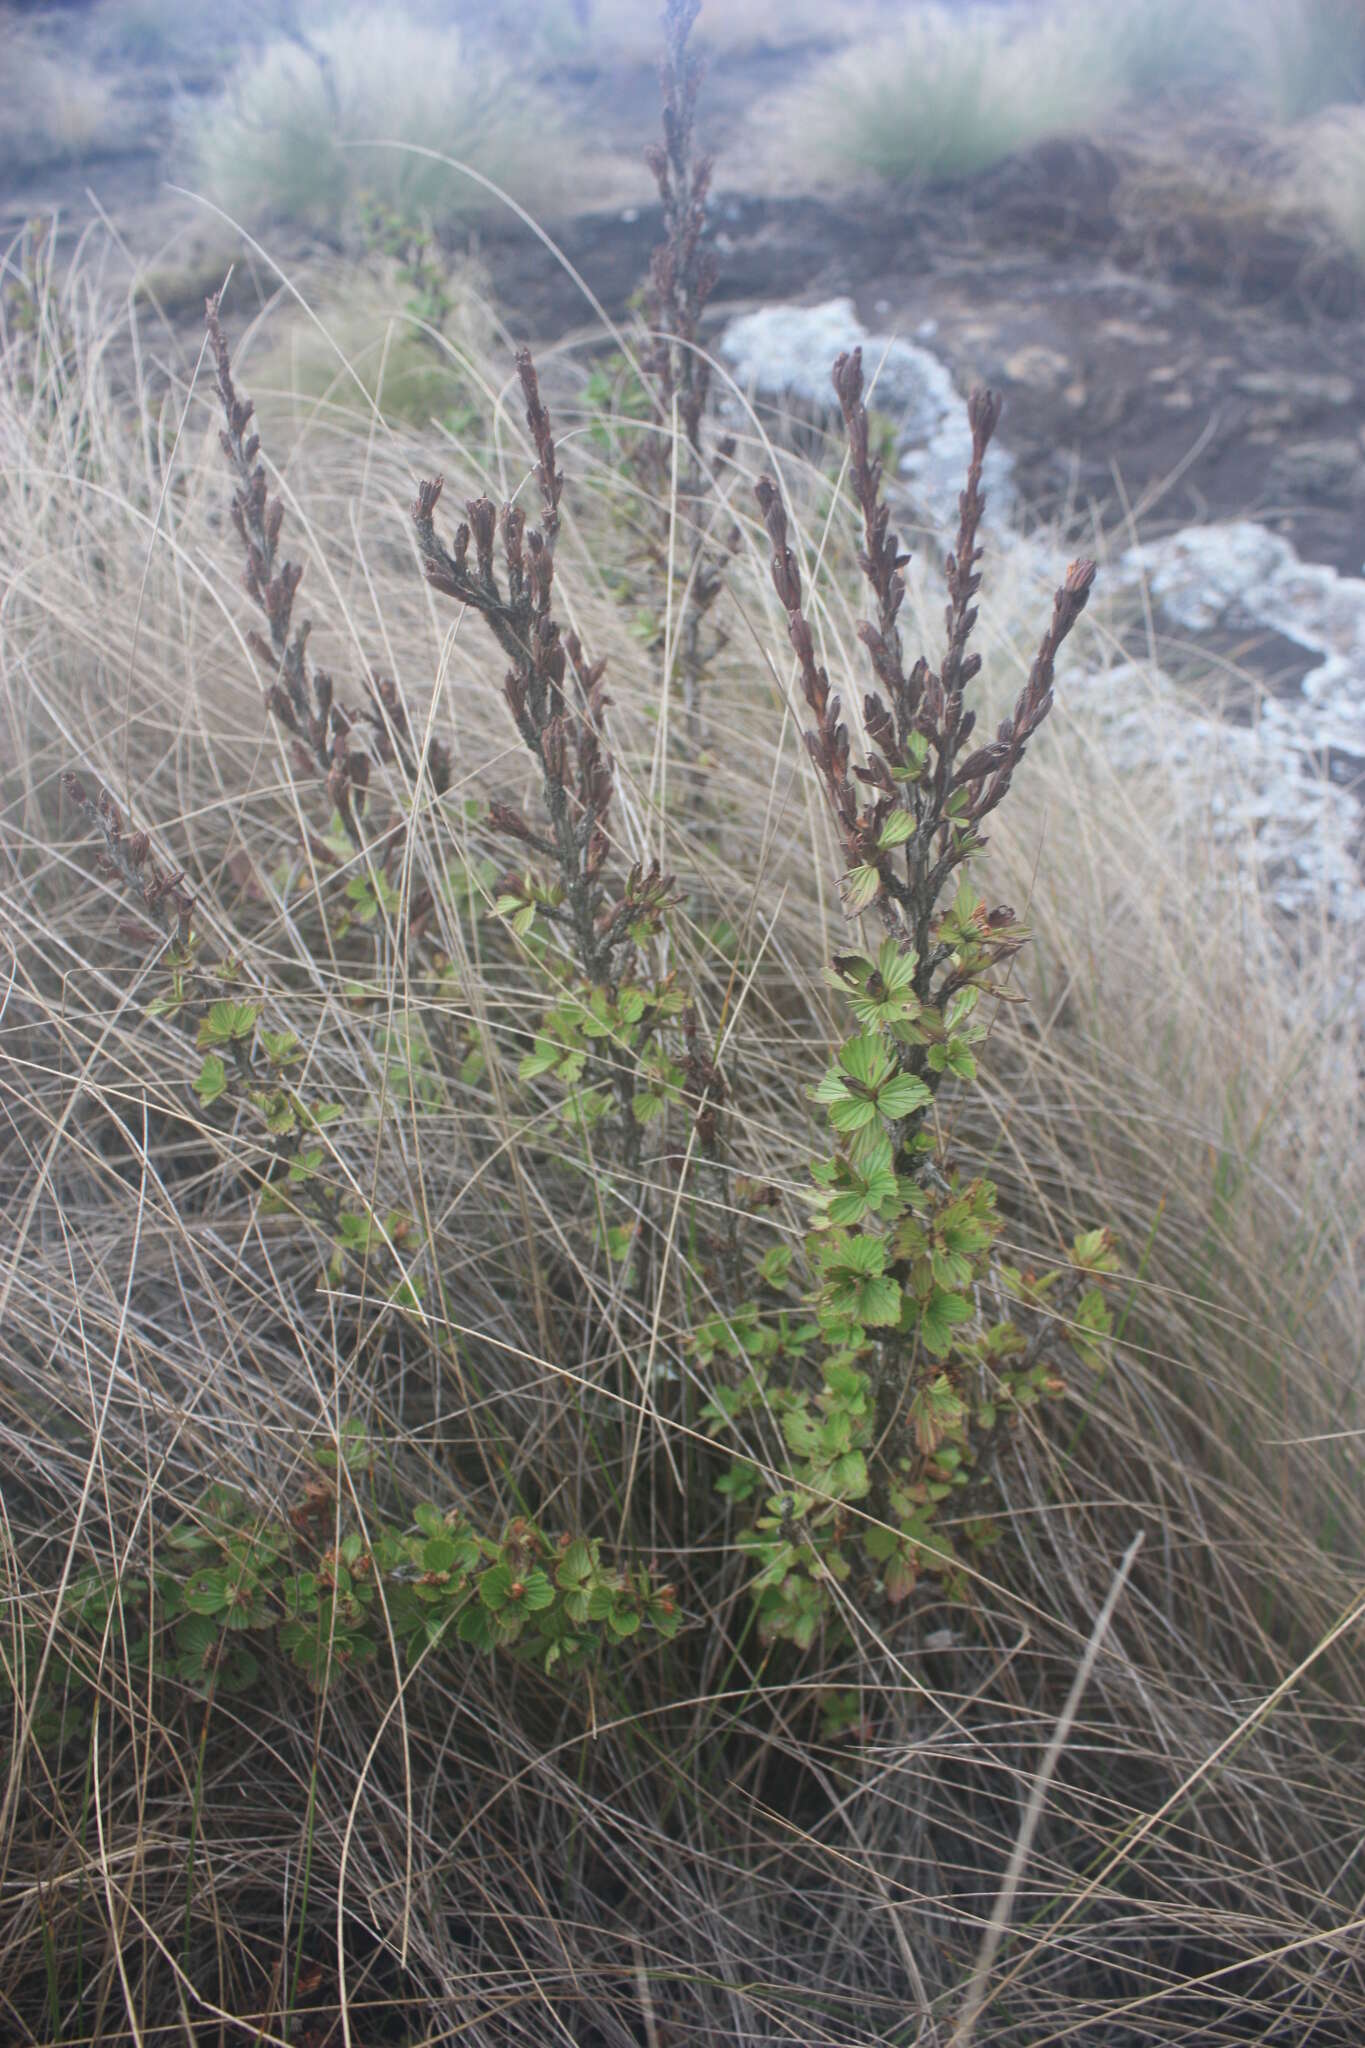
{"x": 287, "y": 142}
{"x": 1329, "y": 176}
{"x": 941, "y": 93}
{"x": 691, "y": 1847}
{"x": 1283, "y": 61}
{"x": 935, "y": 98}
{"x": 54, "y": 106}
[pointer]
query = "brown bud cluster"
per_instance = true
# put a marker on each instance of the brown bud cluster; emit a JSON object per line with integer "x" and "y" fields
{"x": 303, "y": 700}
{"x": 161, "y": 893}
{"x": 556, "y": 696}
{"x": 917, "y": 722}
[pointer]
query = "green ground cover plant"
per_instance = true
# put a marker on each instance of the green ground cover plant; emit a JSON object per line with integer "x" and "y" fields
{"x": 407, "y": 339}
{"x": 575, "y": 1445}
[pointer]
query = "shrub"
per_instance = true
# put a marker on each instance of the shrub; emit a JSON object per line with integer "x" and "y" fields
{"x": 1183, "y": 1066}
{"x": 402, "y": 1183}
{"x": 917, "y": 1371}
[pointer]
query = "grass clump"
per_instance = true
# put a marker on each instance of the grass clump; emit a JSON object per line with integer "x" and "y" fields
{"x": 1147, "y": 49}
{"x": 405, "y": 337}
{"x": 55, "y": 107}
{"x": 280, "y": 146}
{"x": 1311, "y": 55}
{"x": 1287, "y": 59}
{"x": 948, "y": 93}
{"x": 1328, "y": 176}
{"x": 940, "y": 98}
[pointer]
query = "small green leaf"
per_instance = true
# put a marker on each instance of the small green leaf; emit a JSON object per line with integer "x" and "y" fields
{"x": 861, "y": 887}
{"x": 207, "y": 1592}
{"x": 960, "y": 1007}
{"x": 227, "y": 1022}
{"x": 212, "y": 1079}
{"x": 849, "y": 1475}
{"x": 495, "y": 1586}
{"x": 896, "y": 965}
{"x": 476, "y": 1627}
{"x": 901, "y": 1096}
{"x": 879, "y": 1302}
{"x": 439, "y": 1554}
{"x": 940, "y": 1316}
{"x": 279, "y": 1114}
{"x": 775, "y": 1265}
{"x": 665, "y": 1617}
{"x": 739, "y": 1483}
{"x": 1094, "y": 1249}
{"x": 852, "y": 1113}
{"x": 575, "y": 1565}
{"x": 951, "y": 1271}
{"x": 865, "y": 1060}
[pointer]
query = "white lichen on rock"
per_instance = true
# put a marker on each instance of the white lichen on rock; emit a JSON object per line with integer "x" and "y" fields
{"x": 785, "y": 352}
{"x": 1260, "y": 788}
{"x": 1236, "y": 573}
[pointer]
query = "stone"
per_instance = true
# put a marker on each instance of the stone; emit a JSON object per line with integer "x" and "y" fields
{"x": 1238, "y": 573}
{"x": 787, "y": 352}
{"x": 1258, "y": 788}
{"x": 1304, "y": 389}
{"x": 1135, "y": 334}
{"x": 1045, "y": 369}
{"x": 1285, "y": 398}
{"x": 1323, "y": 472}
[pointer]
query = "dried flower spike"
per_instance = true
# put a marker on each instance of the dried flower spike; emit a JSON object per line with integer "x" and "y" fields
{"x": 912, "y": 813}
{"x": 160, "y": 894}
{"x": 303, "y": 700}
